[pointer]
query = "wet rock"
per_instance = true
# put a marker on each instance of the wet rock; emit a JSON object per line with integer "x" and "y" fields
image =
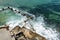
{"x": 27, "y": 34}
{"x": 19, "y": 33}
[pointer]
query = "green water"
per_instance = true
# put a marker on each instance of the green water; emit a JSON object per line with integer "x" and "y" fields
{"x": 36, "y": 7}
{"x": 17, "y": 3}
{"x": 5, "y": 16}
{"x": 31, "y": 5}
{"x": 8, "y": 15}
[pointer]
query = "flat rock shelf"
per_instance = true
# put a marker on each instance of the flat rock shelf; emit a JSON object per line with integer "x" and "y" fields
{"x": 18, "y": 33}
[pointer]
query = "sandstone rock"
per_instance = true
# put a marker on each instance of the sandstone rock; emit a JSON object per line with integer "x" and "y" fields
{"x": 26, "y": 33}
{"x": 19, "y": 33}
{"x": 5, "y": 35}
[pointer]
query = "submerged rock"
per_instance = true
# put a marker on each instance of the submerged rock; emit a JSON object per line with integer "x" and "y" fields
{"x": 19, "y": 33}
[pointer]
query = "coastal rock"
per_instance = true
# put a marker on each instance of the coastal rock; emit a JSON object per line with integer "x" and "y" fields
{"x": 26, "y": 34}
{"x": 18, "y": 33}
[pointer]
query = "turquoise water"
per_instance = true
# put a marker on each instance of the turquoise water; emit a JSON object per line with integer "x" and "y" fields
{"x": 17, "y": 3}
{"x": 50, "y": 9}
{"x": 8, "y": 15}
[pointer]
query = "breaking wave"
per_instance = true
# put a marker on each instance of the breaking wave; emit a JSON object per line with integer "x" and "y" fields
{"x": 39, "y": 26}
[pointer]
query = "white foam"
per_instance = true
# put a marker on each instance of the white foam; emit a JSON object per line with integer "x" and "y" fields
{"x": 38, "y": 25}
{"x": 40, "y": 28}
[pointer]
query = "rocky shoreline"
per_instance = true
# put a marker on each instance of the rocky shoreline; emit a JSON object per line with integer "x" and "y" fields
{"x": 18, "y": 33}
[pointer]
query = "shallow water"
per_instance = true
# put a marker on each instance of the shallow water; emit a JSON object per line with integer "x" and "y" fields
{"x": 49, "y": 29}
{"x": 12, "y": 19}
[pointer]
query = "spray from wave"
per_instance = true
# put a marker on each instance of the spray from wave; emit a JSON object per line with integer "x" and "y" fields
{"x": 39, "y": 26}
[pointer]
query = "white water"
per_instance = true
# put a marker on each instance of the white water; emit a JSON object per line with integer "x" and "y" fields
{"x": 47, "y": 32}
{"x": 38, "y": 25}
